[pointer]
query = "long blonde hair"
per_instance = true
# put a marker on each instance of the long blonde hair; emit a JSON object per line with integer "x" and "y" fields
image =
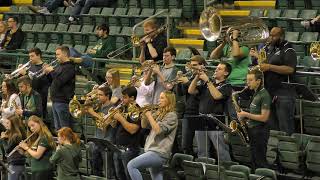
{"x": 17, "y": 130}
{"x": 115, "y": 78}
{"x": 43, "y": 133}
{"x": 170, "y": 107}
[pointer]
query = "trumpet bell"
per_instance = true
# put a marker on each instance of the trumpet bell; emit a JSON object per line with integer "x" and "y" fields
{"x": 75, "y": 108}
{"x": 315, "y": 50}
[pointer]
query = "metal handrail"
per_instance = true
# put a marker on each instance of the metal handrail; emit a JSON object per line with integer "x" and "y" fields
{"x": 140, "y": 23}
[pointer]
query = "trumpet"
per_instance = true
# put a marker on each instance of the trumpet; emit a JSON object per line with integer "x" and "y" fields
{"x": 16, "y": 72}
{"x": 135, "y": 42}
{"x": 17, "y": 147}
{"x": 106, "y": 120}
{"x": 41, "y": 72}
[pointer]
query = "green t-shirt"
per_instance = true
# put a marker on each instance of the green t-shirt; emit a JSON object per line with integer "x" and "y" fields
{"x": 104, "y": 46}
{"x": 67, "y": 159}
{"x": 42, "y": 164}
{"x": 239, "y": 66}
{"x": 261, "y": 100}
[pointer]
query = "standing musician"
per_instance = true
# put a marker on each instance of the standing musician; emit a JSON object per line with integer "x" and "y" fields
{"x": 192, "y": 105}
{"x": 39, "y": 84}
{"x": 152, "y": 45}
{"x": 281, "y": 66}
{"x": 113, "y": 80}
{"x": 238, "y": 57}
{"x": 39, "y": 148}
{"x": 213, "y": 100}
{"x": 15, "y": 132}
{"x": 62, "y": 87}
{"x": 10, "y": 99}
{"x": 97, "y": 150}
{"x": 127, "y": 136}
{"x": 159, "y": 143}
{"x": 258, "y": 116}
{"x": 30, "y": 99}
{"x": 67, "y": 155}
{"x": 144, "y": 92}
{"x": 161, "y": 75}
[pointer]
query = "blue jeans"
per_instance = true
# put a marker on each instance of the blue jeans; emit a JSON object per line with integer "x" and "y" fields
{"x": 213, "y": 136}
{"x": 121, "y": 160}
{"x": 52, "y": 5}
{"x": 83, "y": 6}
{"x": 151, "y": 160}
{"x": 18, "y": 172}
{"x": 282, "y": 114}
{"x": 61, "y": 115}
{"x": 87, "y": 59}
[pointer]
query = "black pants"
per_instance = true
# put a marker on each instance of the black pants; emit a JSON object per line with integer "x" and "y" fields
{"x": 41, "y": 175}
{"x": 259, "y": 136}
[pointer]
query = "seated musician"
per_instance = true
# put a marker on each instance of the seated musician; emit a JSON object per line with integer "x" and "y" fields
{"x": 10, "y": 98}
{"x": 258, "y": 130}
{"x": 213, "y": 97}
{"x": 97, "y": 150}
{"x": 127, "y": 136}
{"x": 30, "y": 99}
{"x": 163, "y": 124}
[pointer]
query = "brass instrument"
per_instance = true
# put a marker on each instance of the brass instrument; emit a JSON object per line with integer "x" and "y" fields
{"x": 252, "y": 30}
{"x": 14, "y": 104}
{"x": 315, "y": 50}
{"x": 17, "y": 147}
{"x": 135, "y": 42}
{"x": 147, "y": 65}
{"x": 106, "y": 120}
{"x": 239, "y": 127}
{"x": 41, "y": 72}
{"x": 16, "y": 72}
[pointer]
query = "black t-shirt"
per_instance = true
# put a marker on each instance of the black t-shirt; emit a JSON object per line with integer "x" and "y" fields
{"x": 159, "y": 43}
{"x": 282, "y": 55}
{"x": 124, "y": 138}
{"x": 41, "y": 85}
{"x": 192, "y": 101}
{"x": 207, "y": 104}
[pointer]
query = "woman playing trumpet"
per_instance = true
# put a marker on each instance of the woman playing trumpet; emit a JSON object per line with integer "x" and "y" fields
{"x": 39, "y": 148}
{"x": 159, "y": 143}
{"x": 10, "y": 139}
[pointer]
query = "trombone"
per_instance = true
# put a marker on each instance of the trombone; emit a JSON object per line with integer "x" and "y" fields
{"x": 41, "y": 72}
{"x": 135, "y": 42}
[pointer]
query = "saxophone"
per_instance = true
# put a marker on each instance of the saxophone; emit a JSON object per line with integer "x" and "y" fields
{"x": 239, "y": 126}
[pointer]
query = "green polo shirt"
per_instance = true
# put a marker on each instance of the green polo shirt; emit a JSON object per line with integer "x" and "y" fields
{"x": 261, "y": 100}
{"x": 42, "y": 164}
{"x": 239, "y": 66}
{"x": 67, "y": 159}
{"x": 104, "y": 46}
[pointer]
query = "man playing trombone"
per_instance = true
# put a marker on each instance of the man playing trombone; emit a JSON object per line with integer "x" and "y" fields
{"x": 152, "y": 45}
{"x": 62, "y": 87}
{"x": 39, "y": 84}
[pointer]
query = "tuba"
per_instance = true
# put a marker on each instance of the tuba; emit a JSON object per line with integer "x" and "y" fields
{"x": 315, "y": 50}
{"x": 252, "y": 29}
{"x": 239, "y": 126}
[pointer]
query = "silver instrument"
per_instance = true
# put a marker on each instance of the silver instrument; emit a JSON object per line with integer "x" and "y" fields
{"x": 17, "y": 147}
{"x": 16, "y": 72}
{"x": 252, "y": 30}
{"x": 41, "y": 72}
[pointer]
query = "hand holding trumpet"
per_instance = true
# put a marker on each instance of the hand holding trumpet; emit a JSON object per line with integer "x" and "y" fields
{"x": 47, "y": 68}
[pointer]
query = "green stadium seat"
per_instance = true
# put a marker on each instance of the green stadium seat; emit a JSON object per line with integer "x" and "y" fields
{"x": 205, "y": 160}
{"x": 315, "y": 4}
{"x": 228, "y": 164}
{"x": 240, "y": 152}
{"x": 70, "y": 36}
{"x": 271, "y": 15}
{"x": 308, "y": 14}
{"x": 146, "y": 12}
{"x": 193, "y": 170}
{"x": 287, "y": 15}
{"x": 269, "y": 173}
{"x": 114, "y": 30}
{"x": 126, "y": 31}
{"x": 292, "y": 36}
{"x": 239, "y": 172}
{"x": 299, "y": 4}
{"x": 45, "y": 33}
{"x": 308, "y": 37}
{"x": 90, "y": 17}
{"x": 256, "y": 12}
{"x": 272, "y": 147}
{"x": 183, "y": 54}
{"x": 51, "y": 49}
{"x": 174, "y": 170}
{"x": 37, "y": 28}
{"x": 42, "y": 46}
{"x": 56, "y": 35}
{"x": 134, "y": 12}
{"x": 26, "y": 27}
{"x": 212, "y": 172}
{"x": 313, "y": 154}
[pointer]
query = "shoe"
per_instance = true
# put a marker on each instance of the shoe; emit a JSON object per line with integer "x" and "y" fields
{"x": 66, "y": 3}
{"x": 44, "y": 11}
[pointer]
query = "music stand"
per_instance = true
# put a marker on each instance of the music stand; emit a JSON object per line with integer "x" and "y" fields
{"x": 303, "y": 93}
{"x": 110, "y": 146}
{"x": 208, "y": 122}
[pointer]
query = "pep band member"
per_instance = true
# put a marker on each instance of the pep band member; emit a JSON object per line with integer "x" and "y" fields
{"x": 15, "y": 133}
{"x": 39, "y": 148}
{"x": 258, "y": 116}
{"x": 11, "y": 100}
{"x": 113, "y": 80}
{"x": 68, "y": 155}
{"x": 159, "y": 143}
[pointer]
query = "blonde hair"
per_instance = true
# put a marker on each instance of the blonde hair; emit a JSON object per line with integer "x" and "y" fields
{"x": 170, "y": 107}
{"x": 115, "y": 78}
{"x": 5, "y": 26}
{"x": 17, "y": 130}
{"x": 150, "y": 23}
{"x": 43, "y": 132}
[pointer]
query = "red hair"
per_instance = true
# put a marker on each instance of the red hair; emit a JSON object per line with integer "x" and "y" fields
{"x": 67, "y": 133}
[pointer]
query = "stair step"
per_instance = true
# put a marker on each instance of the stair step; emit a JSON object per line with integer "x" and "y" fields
{"x": 22, "y": 2}
{"x": 184, "y": 43}
{"x": 255, "y": 4}
{"x": 4, "y": 9}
